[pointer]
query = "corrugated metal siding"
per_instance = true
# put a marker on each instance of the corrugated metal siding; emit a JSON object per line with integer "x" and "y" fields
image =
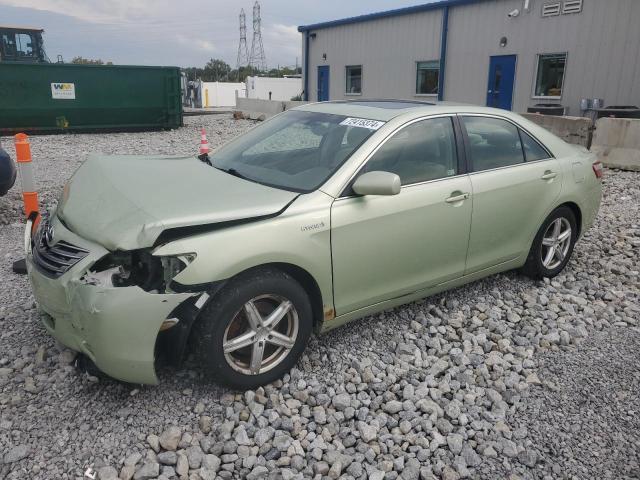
{"x": 602, "y": 42}
{"x": 603, "y": 45}
{"x": 387, "y": 49}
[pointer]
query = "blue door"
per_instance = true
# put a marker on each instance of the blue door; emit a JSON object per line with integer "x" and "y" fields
{"x": 502, "y": 74}
{"x": 323, "y": 83}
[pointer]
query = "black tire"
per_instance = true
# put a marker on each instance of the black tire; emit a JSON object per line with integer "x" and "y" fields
{"x": 221, "y": 310}
{"x": 534, "y": 266}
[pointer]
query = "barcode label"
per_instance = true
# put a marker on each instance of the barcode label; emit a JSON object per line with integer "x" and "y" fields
{"x": 362, "y": 123}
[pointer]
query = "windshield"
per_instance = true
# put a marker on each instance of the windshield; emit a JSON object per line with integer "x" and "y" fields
{"x": 295, "y": 151}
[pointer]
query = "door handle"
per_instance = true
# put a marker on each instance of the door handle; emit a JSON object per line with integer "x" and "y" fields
{"x": 457, "y": 198}
{"x": 549, "y": 175}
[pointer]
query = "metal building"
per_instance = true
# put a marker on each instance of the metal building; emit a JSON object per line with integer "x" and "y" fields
{"x": 511, "y": 54}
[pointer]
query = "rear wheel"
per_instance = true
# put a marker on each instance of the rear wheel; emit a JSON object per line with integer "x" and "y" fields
{"x": 255, "y": 329}
{"x": 553, "y": 245}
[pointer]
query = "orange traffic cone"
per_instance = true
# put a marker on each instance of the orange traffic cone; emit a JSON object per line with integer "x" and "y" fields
{"x": 29, "y": 193}
{"x": 204, "y": 144}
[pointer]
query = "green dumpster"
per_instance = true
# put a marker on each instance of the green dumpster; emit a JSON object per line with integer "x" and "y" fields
{"x": 57, "y": 97}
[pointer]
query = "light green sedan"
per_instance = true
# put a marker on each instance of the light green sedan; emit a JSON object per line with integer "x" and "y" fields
{"x": 323, "y": 214}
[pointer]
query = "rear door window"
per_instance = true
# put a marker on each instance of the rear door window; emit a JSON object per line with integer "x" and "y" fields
{"x": 493, "y": 143}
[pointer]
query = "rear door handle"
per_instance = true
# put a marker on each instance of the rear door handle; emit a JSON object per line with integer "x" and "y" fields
{"x": 457, "y": 198}
{"x": 549, "y": 175}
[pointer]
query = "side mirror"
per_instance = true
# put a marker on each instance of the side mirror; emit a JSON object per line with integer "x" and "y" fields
{"x": 377, "y": 183}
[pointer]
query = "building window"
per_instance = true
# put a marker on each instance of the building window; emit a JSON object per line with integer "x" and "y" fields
{"x": 354, "y": 80}
{"x": 427, "y": 78}
{"x": 550, "y": 75}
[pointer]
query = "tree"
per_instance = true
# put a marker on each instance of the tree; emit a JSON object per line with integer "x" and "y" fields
{"x": 216, "y": 71}
{"x": 89, "y": 61}
{"x": 242, "y": 74}
{"x": 193, "y": 73}
{"x": 219, "y": 71}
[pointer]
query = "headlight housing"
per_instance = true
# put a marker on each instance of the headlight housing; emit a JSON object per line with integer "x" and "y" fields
{"x": 138, "y": 268}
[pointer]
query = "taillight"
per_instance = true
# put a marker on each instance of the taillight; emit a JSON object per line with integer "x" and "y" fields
{"x": 598, "y": 169}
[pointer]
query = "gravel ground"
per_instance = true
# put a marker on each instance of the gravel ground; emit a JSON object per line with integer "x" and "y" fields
{"x": 584, "y": 420}
{"x": 503, "y": 378}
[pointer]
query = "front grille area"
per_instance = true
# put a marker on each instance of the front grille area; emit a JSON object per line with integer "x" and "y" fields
{"x": 53, "y": 258}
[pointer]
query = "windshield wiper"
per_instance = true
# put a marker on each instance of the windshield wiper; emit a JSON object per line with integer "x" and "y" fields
{"x": 204, "y": 157}
{"x": 234, "y": 172}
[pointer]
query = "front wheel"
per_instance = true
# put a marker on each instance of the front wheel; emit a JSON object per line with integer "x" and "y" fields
{"x": 553, "y": 245}
{"x": 255, "y": 329}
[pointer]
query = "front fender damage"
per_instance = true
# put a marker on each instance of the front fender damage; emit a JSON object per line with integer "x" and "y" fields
{"x": 117, "y": 328}
{"x": 172, "y": 343}
{"x": 133, "y": 316}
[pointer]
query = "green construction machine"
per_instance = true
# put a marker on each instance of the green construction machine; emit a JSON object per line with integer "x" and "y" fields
{"x": 38, "y": 96}
{"x": 22, "y": 45}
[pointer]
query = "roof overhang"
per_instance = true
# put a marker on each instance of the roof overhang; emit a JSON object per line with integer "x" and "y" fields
{"x": 21, "y": 29}
{"x": 388, "y": 13}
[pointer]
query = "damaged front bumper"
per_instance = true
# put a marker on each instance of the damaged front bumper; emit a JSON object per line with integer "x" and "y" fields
{"x": 116, "y": 327}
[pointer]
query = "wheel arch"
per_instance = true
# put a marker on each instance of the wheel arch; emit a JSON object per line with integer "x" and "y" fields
{"x": 310, "y": 285}
{"x": 320, "y": 311}
{"x": 181, "y": 344}
{"x": 575, "y": 208}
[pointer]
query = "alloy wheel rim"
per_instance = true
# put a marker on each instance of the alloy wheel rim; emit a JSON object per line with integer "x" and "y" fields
{"x": 261, "y": 334}
{"x": 555, "y": 243}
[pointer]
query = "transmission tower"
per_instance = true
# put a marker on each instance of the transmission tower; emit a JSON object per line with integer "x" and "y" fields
{"x": 257, "y": 59}
{"x": 243, "y": 52}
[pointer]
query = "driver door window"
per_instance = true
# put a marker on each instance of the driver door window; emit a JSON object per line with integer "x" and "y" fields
{"x": 420, "y": 152}
{"x": 399, "y": 231}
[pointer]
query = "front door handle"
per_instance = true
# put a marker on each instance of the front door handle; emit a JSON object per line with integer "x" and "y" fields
{"x": 549, "y": 175}
{"x": 460, "y": 197}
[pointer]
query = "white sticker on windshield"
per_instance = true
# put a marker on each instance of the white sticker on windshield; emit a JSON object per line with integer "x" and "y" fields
{"x": 362, "y": 123}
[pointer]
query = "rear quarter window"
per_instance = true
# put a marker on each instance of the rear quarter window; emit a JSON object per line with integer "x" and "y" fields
{"x": 532, "y": 149}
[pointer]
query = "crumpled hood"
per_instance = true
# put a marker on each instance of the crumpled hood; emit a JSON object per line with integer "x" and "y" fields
{"x": 125, "y": 202}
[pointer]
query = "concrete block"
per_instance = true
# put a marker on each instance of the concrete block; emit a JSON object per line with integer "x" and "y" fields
{"x": 292, "y": 104}
{"x": 617, "y": 142}
{"x": 257, "y": 109}
{"x": 575, "y": 130}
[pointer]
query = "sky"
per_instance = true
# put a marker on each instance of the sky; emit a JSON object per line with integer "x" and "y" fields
{"x": 179, "y": 33}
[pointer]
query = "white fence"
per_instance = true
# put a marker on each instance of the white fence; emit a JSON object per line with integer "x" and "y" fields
{"x": 268, "y": 88}
{"x": 221, "y": 94}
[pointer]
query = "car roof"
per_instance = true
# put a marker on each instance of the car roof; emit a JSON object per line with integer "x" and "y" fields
{"x": 385, "y": 110}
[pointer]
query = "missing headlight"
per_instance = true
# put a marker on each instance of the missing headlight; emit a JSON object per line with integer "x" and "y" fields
{"x": 138, "y": 268}
{"x": 172, "y": 266}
